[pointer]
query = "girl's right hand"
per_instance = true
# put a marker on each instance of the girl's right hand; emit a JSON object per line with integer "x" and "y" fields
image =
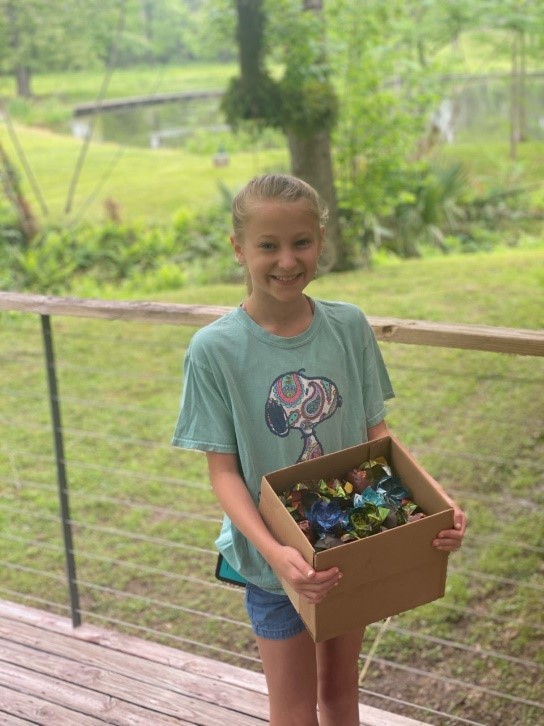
{"x": 291, "y": 566}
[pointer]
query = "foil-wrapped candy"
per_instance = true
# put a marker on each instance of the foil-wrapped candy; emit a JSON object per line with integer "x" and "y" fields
{"x": 362, "y": 502}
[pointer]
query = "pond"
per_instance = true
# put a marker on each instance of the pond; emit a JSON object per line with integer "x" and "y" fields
{"x": 474, "y": 110}
{"x": 481, "y": 110}
{"x": 164, "y": 124}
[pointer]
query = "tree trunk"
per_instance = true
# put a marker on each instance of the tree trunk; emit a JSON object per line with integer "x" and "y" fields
{"x": 22, "y": 78}
{"x": 311, "y": 160}
{"x": 522, "y": 99}
{"x": 514, "y": 98}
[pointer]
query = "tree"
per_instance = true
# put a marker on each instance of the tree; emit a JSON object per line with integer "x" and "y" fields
{"x": 47, "y": 35}
{"x": 518, "y": 21}
{"x": 302, "y": 103}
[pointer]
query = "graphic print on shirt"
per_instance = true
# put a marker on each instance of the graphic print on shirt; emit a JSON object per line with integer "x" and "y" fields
{"x": 297, "y": 401}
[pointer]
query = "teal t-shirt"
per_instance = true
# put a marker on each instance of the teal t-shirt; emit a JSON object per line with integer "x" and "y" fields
{"x": 275, "y": 401}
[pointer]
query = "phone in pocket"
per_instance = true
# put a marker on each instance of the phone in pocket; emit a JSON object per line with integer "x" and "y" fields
{"x": 226, "y": 573}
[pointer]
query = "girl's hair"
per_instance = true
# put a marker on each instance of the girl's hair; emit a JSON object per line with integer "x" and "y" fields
{"x": 274, "y": 186}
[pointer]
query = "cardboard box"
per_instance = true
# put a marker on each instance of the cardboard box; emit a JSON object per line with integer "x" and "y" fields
{"x": 384, "y": 574}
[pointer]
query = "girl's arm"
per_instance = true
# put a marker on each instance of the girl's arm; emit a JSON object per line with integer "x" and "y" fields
{"x": 377, "y": 431}
{"x": 447, "y": 540}
{"x": 287, "y": 562}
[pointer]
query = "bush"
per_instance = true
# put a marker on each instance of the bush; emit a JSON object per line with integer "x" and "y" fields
{"x": 127, "y": 256}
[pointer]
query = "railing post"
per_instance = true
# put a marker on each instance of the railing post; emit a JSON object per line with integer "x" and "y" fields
{"x": 61, "y": 469}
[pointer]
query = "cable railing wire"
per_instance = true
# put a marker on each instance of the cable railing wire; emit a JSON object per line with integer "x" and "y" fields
{"x": 34, "y": 598}
{"x": 170, "y": 636}
{"x": 458, "y": 683}
{"x": 143, "y": 538}
{"x": 146, "y": 569}
{"x": 419, "y": 707}
{"x": 489, "y": 617}
{"x": 479, "y": 652}
{"x": 497, "y": 578}
{"x": 476, "y": 540}
{"x": 74, "y": 463}
{"x": 127, "y": 503}
{"x": 439, "y": 372}
{"x": 206, "y": 615}
{"x": 86, "y": 403}
{"x": 35, "y": 571}
{"x": 79, "y": 494}
{"x": 387, "y": 663}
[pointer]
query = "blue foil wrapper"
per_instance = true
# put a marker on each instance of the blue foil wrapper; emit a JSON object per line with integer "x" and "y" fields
{"x": 369, "y": 495}
{"x": 391, "y": 489}
{"x": 327, "y": 517}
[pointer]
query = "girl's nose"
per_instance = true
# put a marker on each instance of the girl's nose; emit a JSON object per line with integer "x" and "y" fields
{"x": 287, "y": 260}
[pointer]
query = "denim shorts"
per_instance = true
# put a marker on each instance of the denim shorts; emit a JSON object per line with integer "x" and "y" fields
{"x": 272, "y": 616}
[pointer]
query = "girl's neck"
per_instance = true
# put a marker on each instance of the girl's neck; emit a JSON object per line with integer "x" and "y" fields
{"x": 285, "y": 320}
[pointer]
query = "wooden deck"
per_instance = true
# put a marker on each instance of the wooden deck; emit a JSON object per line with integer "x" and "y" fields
{"x": 53, "y": 675}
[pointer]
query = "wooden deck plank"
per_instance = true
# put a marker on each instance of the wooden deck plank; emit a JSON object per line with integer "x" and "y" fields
{"x": 138, "y": 668}
{"x": 124, "y": 691}
{"x": 79, "y": 699}
{"x": 92, "y": 662}
{"x": 20, "y": 708}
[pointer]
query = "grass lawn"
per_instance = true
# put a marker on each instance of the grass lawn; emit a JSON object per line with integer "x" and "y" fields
{"x": 73, "y": 87}
{"x": 147, "y": 185}
{"x": 146, "y": 520}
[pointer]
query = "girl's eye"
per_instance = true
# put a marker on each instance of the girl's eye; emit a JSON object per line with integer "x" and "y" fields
{"x": 303, "y": 242}
{"x": 267, "y": 245}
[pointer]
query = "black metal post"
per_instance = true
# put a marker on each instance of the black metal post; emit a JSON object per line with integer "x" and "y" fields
{"x": 61, "y": 469}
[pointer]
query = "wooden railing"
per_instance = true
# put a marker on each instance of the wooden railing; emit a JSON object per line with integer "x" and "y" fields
{"x": 392, "y": 330}
{"x": 529, "y": 343}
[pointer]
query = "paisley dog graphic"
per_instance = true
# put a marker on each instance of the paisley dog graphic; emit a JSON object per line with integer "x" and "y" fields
{"x": 297, "y": 401}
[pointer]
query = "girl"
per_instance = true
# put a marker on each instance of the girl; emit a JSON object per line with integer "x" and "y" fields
{"x": 278, "y": 365}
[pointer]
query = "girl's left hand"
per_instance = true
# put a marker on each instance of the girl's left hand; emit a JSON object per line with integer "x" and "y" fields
{"x": 450, "y": 540}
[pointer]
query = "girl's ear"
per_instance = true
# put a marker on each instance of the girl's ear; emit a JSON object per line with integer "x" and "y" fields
{"x": 321, "y": 238}
{"x": 238, "y": 249}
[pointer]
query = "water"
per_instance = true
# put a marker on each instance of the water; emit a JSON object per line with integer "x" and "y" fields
{"x": 165, "y": 124}
{"x": 482, "y": 110}
{"x": 476, "y": 110}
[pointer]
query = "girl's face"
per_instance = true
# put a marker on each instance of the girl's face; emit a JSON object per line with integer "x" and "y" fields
{"x": 280, "y": 246}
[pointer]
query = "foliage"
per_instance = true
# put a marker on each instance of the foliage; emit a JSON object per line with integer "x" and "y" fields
{"x": 115, "y": 254}
{"x": 68, "y": 34}
{"x": 36, "y": 35}
{"x": 260, "y": 103}
{"x": 387, "y": 94}
{"x": 298, "y": 43}
{"x": 437, "y": 205}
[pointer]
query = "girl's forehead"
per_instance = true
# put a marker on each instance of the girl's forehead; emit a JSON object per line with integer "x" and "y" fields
{"x": 278, "y": 211}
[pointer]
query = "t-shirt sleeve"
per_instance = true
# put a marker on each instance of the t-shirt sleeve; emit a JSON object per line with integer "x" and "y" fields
{"x": 205, "y": 419}
{"x": 377, "y": 386}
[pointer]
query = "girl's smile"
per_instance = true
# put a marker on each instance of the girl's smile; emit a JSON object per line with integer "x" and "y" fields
{"x": 280, "y": 246}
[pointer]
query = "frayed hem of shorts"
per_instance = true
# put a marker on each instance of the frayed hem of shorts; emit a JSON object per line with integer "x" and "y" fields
{"x": 279, "y": 634}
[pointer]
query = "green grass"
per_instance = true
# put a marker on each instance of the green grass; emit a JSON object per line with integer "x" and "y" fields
{"x": 473, "y": 419}
{"x": 147, "y": 185}
{"x": 73, "y": 87}
{"x": 151, "y": 185}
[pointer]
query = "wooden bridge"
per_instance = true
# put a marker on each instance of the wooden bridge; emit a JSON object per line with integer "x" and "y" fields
{"x": 116, "y": 104}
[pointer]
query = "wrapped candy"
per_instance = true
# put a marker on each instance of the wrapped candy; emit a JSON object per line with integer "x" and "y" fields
{"x": 363, "y": 502}
{"x": 328, "y": 517}
{"x": 326, "y": 541}
{"x": 392, "y": 491}
{"x": 367, "y": 519}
